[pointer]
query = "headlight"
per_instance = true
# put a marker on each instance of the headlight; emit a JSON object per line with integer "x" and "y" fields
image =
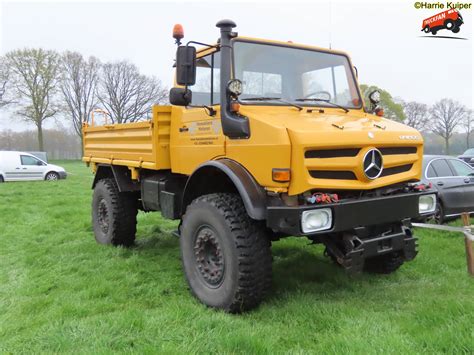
{"x": 316, "y": 220}
{"x": 427, "y": 203}
{"x": 234, "y": 87}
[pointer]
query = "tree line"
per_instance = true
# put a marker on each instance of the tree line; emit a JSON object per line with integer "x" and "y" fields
{"x": 444, "y": 118}
{"x": 41, "y": 84}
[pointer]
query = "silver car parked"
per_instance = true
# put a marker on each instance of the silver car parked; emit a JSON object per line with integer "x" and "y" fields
{"x": 454, "y": 180}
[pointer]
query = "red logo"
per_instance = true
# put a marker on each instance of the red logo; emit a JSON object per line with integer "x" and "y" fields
{"x": 446, "y": 20}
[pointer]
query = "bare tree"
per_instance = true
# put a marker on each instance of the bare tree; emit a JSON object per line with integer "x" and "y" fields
{"x": 126, "y": 94}
{"x": 416, "y": 115}
{"x": 79, "y": 78}
{"x": 35, "y": 77}
{"x": 446, "y": 115}
{"x": 468, "y": 124}
{"x": 5, "y": 83}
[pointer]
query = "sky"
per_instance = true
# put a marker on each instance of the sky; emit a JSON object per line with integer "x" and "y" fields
{"x": 383, "y": 38}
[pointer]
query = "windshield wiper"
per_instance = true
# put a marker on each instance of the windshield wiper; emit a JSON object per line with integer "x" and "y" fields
{"x": 263, "y": 98}
{"x": 327, "y": 101}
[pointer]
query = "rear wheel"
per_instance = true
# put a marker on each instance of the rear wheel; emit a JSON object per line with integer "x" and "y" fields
{"x": 226, "y": 255}
{"x": 384, "y": 264}
{"x": 1, "y": 179}
{"x": 427, "y": 29}
{"x": 114, "y": 214}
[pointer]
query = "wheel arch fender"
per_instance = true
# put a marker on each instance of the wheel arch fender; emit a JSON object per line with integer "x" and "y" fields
{"x": 121, "y": 174}
{"x": 225, "y": 175}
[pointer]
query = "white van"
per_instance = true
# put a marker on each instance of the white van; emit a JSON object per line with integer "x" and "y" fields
{"x": 20, "y": 166}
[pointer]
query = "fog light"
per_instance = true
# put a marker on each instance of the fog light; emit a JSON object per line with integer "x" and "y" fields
{"x": 316, "y": 220}
{"x": 427, "y": 203}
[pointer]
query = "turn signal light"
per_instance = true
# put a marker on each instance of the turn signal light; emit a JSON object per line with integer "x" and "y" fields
{"x": 234, "y": 106}
{"x": 281, "y": 175}
{"x": 379, "y": 112}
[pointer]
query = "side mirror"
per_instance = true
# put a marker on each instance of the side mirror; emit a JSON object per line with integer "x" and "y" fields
{"x": 39, "y": 163}
{"x": 180, "y": 96}
{"x": 186, "y": 65}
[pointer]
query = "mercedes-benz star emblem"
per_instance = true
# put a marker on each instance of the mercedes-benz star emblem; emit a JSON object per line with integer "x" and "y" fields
{"x": 373, "y": 164}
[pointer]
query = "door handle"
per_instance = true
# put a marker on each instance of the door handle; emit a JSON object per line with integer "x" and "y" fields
{"x": 440, "y": 183}
{"x": 24, "y": 168}
{"x": 17, "y": 168}
{"x": 184, "y": 129}
{"x": 467, "y": 180}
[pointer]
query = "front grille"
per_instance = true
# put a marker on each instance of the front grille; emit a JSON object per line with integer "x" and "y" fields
{"x": 396, "y": 170}
{"x": 315, "y": 167}
{"x": 332, "y": 153}
{"x": 398, "y": 150}
{"x": 332, "y": 174}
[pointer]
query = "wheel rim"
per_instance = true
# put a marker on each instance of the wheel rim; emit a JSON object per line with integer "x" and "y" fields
{"x": 51, "y": 177}
{"x": 103, "y": 216}
{"x": 209, "y": 257}
{"x": 437, "y": 216}
{"x": 449, "y": 25}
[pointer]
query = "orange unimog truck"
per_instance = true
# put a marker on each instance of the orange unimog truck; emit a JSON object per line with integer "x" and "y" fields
{"x": 262, "y": 140}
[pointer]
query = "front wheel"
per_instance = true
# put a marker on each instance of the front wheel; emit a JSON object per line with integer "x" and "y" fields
{"x": 52, "y": 176}
{"x": 226, "y": 255}
{"x": 455, "y": 29}
{"x": 449, "y": 24}
{"x": 1, "y": 179}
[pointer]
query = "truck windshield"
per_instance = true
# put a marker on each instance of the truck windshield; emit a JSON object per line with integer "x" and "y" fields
{"x": 295, "y": 75}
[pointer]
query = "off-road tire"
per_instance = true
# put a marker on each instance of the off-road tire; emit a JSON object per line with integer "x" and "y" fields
{"x": 384, "y": 264}
{"x": 114, "y": 214}
{"x": 244, "y": 248}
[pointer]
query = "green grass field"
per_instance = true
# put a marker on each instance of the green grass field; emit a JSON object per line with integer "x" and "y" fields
{"x": 61, "y": 292}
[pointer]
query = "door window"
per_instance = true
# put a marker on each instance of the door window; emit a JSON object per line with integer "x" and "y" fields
{"x": 441, "y": 168}
{"x": 460, "y": 168}
{"x": 29, "y": 160}
{"x": 431, "y": 172}
{"x": 206, "y": 91}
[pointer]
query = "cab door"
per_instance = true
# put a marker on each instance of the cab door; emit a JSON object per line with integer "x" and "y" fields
{"x": 196, "y": 129}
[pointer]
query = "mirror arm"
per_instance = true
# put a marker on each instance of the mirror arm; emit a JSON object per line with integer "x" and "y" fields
{"x": 210, "y": 110}
{"x": 202, "y": 44}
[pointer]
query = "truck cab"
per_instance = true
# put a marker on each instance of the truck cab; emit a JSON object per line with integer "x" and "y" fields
{"x": 263, "y": 140}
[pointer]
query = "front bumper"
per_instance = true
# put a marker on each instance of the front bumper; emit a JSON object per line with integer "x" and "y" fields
{"x": 62, "y": 174}
{"x": 349, "y": 214}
